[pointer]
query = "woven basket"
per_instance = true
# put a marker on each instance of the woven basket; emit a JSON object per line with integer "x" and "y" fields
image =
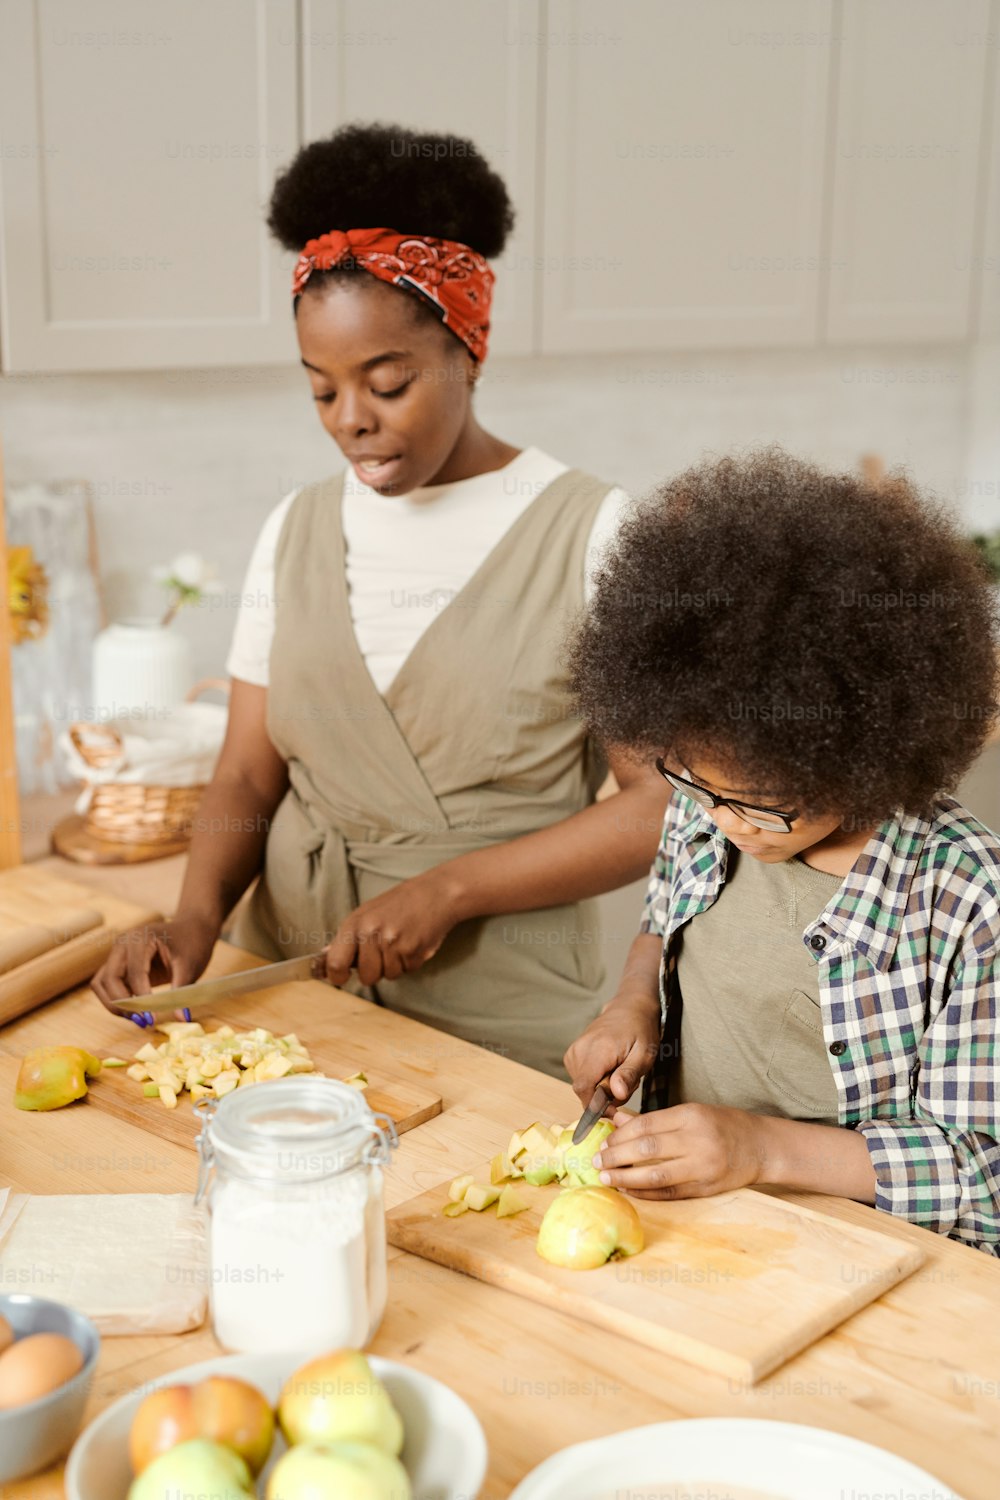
{"x": 126, "y": 812}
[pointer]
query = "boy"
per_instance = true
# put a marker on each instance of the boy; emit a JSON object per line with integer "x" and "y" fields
{"x": 812, "y": 998}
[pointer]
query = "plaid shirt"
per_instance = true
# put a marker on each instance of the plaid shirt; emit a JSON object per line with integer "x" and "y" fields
{"x": 908, "y": 954}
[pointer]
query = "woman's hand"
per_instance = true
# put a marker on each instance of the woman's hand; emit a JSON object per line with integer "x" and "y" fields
{"x": 394, "y": 933}
{"x": 622, "y": 1041}
{"x": 688, "y": 1151}
{"x": 174, "y": 952}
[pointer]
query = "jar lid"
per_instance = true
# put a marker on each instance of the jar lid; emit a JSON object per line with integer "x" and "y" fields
{"x": 296, "y": 1129}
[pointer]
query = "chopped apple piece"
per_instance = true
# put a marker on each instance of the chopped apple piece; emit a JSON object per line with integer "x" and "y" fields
{"x": 538, "y": 1140}
{"x": 168, "y": 1097}
{"x": 151, "y": 1090}
{"x": 274, "y": 1066}
{"x": 501, "y": 1168}
{"x": 138, "y": 1072}
{"x": 147, "y": 1052}
{"x": 452, "y": 1210}
{"x": 113, "y": 1062}
{"x": 225, "y": 1082}
{"x": 510, "y": 1202}
{"x": 301, "y": 1063}
{"x": 458, "y": 1188}
{"x": 479, "y": 1196}
{"x": 357, "y": 1080}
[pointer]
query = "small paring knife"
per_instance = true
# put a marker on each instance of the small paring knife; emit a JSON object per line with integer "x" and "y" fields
{"x": 594, "y": 1111}
{"x": 209, "y": 994}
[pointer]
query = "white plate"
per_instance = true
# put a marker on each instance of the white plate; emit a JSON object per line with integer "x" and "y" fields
{"x": 444, "y": 1451}
{"x": 701, "y": 1457}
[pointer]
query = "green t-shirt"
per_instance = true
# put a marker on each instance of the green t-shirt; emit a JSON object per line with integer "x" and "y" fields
{"x": 751, "y": 1030}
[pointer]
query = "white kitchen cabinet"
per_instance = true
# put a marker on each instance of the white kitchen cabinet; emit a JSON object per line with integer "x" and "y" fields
{"x": 907, "y": 158}
{"x": 469, "y": 70}
{"x": 684, "y": 173}
{"x": 986, "y": 263}
{"x": 140, "y": 141}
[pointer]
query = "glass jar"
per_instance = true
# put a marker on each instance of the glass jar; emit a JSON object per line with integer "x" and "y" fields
{"x": 292, "y": 1174}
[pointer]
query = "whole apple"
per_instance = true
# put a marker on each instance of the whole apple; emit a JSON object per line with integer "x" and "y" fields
{"x": 339, "y": 1398}
{"x": 221, "y": 1408}
{"x": 338, "y": 1471}
{"x": 193, "y": 1470}
{"x": 584, "y": 1226}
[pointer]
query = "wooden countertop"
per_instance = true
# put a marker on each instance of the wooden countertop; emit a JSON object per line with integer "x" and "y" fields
{"x": 917, "y": 1372}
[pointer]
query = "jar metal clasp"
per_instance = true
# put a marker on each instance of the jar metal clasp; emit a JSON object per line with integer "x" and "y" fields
{"x": 384, "y": 1140}
{"x": 204, "y": 1109}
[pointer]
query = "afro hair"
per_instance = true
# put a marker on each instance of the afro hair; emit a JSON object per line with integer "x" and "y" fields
{"x": 829, "y": 643}
{"x": 371, "y": 176}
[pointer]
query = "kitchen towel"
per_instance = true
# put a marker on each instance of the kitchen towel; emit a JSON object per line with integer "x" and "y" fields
{"x": 133, "y": 1262}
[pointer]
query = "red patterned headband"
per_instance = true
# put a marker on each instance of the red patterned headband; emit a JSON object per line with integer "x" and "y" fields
{"x": 454, "y": 279}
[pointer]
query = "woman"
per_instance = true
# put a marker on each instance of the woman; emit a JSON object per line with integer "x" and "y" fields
{"x": 402, "y": 751}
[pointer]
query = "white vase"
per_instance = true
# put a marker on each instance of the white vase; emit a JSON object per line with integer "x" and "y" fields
{"x": 140, "y": 668}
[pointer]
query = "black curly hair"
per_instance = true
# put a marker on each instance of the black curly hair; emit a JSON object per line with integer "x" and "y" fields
{"x": 371, "y": 176}
{"x": 829, "y": 643}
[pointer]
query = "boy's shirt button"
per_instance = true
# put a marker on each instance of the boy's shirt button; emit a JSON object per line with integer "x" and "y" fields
{"x": 817, "y": 941}
{"x": 838, "y": 1048}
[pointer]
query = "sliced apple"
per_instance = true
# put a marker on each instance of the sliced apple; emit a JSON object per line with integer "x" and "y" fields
{"x": 457, "y": 1190}
{"x": 510, "y": 1202}
{"x": 479, "y": 1196}
{"x": 452, "y": 1210}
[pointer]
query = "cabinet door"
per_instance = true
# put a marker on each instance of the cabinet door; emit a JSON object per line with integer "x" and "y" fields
{"x": 986, "y": 265}
{"x": 907, "y": 148}
{"x": 140, "y": 141}
{"x": 470, "y": 70}
{"x": 684, "y": 171}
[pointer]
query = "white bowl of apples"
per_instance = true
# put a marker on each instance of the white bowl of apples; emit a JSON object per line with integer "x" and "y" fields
{"x": 347, "y": 1425}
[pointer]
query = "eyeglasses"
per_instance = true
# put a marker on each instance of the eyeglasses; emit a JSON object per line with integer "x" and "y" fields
{"x": 760, "y": 817}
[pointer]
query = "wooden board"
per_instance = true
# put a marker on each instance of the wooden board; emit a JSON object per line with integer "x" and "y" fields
{"x": 344, "y": 1035}
{"x": 736, "y": 1284}
{"x": 407, "y": 1104}
{"x": 29, "y": 896}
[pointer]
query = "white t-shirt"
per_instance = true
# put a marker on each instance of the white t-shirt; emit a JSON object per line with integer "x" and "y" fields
{"x": 407, "y": 557}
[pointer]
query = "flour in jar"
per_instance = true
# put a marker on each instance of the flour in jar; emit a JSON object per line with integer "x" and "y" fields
{"x": 292, "y": 1273}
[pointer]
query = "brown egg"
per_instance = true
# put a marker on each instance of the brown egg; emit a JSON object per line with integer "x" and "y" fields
{"x": 36, "y": 1365}
{"x": 6, "y": 1333}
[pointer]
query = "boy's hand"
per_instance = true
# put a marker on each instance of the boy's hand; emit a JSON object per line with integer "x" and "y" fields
{"x": 688, "y": 1151}
{"x": 622, "y": 1041}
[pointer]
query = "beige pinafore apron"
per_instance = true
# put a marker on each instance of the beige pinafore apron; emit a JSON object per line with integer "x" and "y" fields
{"x": 474, "y": 743}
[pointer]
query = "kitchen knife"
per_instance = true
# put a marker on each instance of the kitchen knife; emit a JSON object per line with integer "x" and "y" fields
{"x": 594, "y": 1111}
{"x": 207, "y": 994}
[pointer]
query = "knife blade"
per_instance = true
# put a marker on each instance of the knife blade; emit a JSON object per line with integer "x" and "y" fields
{"x": 594, "y": 1111}
{"x": 207, "y": 993}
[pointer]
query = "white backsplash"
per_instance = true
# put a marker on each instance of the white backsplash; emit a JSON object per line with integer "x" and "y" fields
{"x": 195, "y": 459}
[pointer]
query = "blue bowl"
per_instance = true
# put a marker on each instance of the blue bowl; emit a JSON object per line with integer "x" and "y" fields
{"x": 36, "y": 1435}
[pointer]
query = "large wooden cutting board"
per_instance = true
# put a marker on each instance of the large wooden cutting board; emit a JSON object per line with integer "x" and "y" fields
{"x": 341, "y": 1040}
{"x": 736, "y": 1284}
{"x": 31, "y": 897}
{"x": 406, "y": 1104}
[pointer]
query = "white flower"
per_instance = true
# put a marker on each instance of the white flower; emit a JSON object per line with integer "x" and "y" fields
{"x": 190, "y": 569}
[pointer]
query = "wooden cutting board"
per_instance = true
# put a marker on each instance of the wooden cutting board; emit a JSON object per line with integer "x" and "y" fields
{"x": 31, "y": 898}
{"x": 736, "y": 1284}
{"x": 406, "y": 1104}
{"x": 341, "y": 1040}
